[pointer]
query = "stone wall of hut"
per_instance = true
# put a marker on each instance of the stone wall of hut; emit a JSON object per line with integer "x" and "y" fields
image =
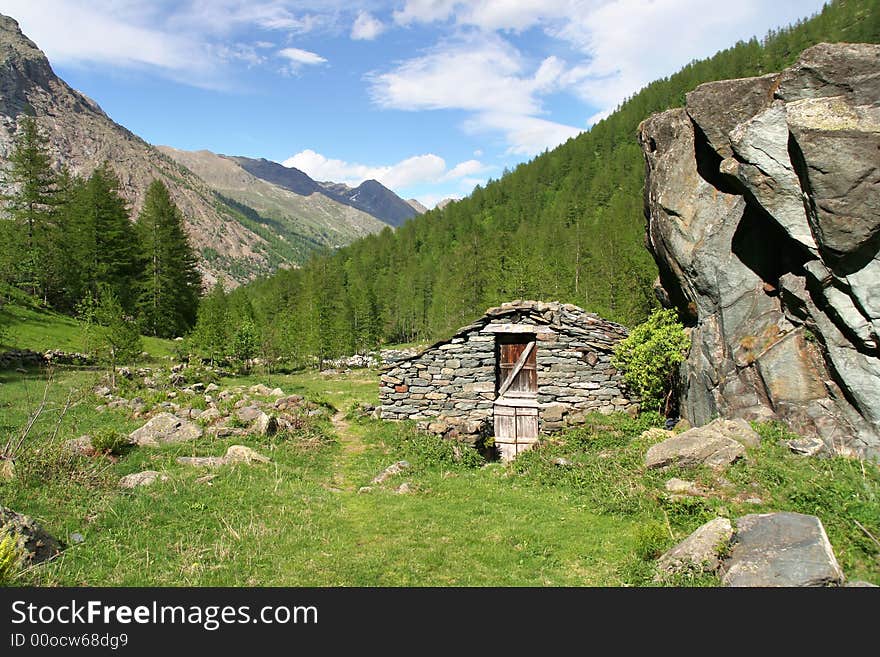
{"x": 451, "y": 386}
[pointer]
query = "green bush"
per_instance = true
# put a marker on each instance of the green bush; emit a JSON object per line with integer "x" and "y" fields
{"x": 649, "y": 357}
{"x": 652, "y": 540}
{"x": 109, "y": 441}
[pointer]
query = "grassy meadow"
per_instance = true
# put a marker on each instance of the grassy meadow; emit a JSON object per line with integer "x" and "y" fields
{"x": 312, "y": 517}
{"x": 304, "y": 520}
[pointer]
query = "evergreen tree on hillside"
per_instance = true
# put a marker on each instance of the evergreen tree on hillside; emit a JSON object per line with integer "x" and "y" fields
{"x": 31, "y": 205}
{"x": 168, "y": 291}
{"x": 101, "y": 241}
{"x": 211, "y": 336}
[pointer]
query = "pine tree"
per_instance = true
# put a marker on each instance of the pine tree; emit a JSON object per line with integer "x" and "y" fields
{"x": 31, "y": 206}
{"x": 211, "y": 337}
{"x": 168, "y": 291}
{"x": 102, "y": 243}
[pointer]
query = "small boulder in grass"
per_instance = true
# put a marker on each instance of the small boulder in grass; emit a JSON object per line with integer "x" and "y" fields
{"x": 145, "y": 478}
{"x": 35, "y": 543}
{"x": 700, "y": 552}
{"x": 390, "y": 471}
{"x": 242, "y": 454}
{"x": 717, "y": 445}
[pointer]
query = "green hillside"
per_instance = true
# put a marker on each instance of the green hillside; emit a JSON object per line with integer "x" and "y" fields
{"x": 566, "y": 226}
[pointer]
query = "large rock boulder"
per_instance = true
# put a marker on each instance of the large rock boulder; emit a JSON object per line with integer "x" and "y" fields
{"x": 763, "y": 209}
{"x": 781, "y": 549}
{"x": 717, "y": 444}
{"x": 35, "y": 543}
{"x": 700, "y": 552}
{"x": 165, "y": 428}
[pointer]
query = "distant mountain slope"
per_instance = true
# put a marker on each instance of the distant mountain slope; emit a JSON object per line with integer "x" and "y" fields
{"x": 303, "y": 221}
{"x": 370, "y": 196}
{"x": 418, "y": 207}
{"x": 82, "y": 136}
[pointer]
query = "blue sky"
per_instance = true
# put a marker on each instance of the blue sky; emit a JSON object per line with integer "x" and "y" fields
{"x": 431, "y": 97}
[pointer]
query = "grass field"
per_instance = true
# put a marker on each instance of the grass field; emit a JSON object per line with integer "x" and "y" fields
{"x": 301, "y": 520}
{"x": 26, "y": 327}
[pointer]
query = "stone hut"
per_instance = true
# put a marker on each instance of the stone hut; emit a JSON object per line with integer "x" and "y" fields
{"x": 522, "y": 368}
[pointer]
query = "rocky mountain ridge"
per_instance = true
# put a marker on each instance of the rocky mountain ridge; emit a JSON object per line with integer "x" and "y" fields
{"x": 311, "y": 216}
{"x": 370, "y": 196}
{"x": 763, "y": 209}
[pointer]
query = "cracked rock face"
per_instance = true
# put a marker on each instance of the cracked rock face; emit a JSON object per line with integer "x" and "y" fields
{"x": 763, "y": 207}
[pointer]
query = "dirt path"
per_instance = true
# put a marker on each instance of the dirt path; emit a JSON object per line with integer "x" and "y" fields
{"x": 351, "y": 444}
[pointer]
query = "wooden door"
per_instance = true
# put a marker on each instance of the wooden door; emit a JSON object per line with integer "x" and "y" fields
{"x": 517, "y": 366}
{"x": 516, "y": 408}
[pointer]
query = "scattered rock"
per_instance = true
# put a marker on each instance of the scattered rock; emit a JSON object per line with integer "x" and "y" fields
{"x": 403, "y": 489}
{"x": 81, "y": 446}
{"x": 700, "y": 446}
{"x": 699, "y": 552}
{"x": 36, "y": 544}
{"x": 248, "y": 413}
{"x": 235, "y": 454}
{"x": 206, "y": 479}
{"x": 860, "y": 584}
{"x": 365, "y": 489}
{"x": 7, "y": 470}
{"x": 276, "y": 392}
{"x": 145, "y": 478}
{"x": 103, "y": 391}
{"x": 265, "y": 425}
{"x": 684, "y": 487}
{"x": 260, "y": 389}
{"x": 77, "y": 538}
{"x": 781, "y": 549}
{"x": 656, "y": 434}
{"x": 562, "y": 462}
{"x": 202, "y": 461}
{"x": 805, "y": 446}
{"x": 209, "y": 415}
{"x": 242, "y": 454}
{"x": 390, "y": 471}
{"x": 682, "y": 425}
{"x": 287, "y": 402}
{"x": 165, "y": 428}
{"x": 211, "y": 387}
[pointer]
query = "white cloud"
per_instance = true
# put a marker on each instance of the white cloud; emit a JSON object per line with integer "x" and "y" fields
{"x": 489, "y": 15}
{"x": 366, "y": 27}
{"x": 424, "y": 11}
{"x": 59, "y": 29}
{"x": 299, "y": 56}
{"x": 471, "y": 73}
{"x": 525, "y": 135}
{"x": 483, "y": 74}
{"x": 416, "y": 170}
{"x": 191, "y": 41}
{"x": 463, "y": 169}
{"x": 615, "y": 46}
